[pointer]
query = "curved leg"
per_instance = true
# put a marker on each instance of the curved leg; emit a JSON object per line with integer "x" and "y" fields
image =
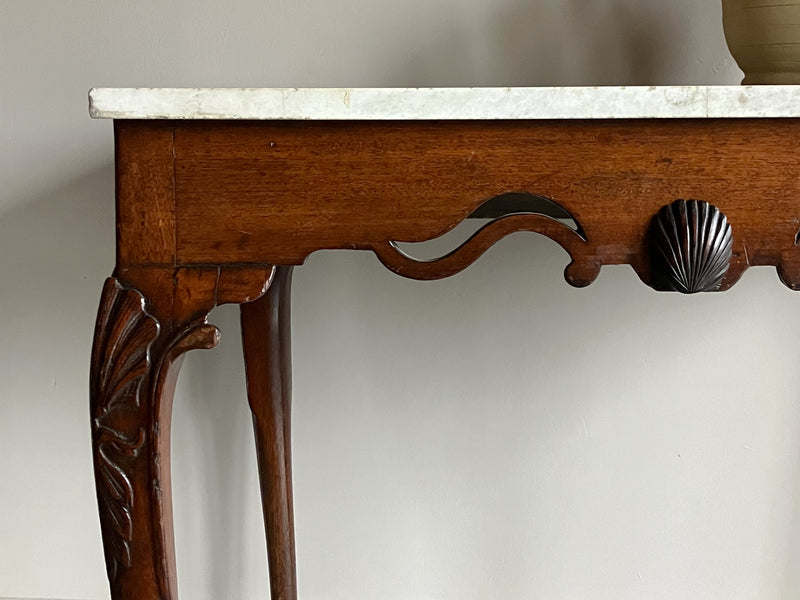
{"x": 135, "y": 362}
{"x": 267, "y": 352}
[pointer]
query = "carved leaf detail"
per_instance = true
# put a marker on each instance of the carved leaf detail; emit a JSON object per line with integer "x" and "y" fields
{"x": 692, "y": 246}
{"x": 120, "y": 363}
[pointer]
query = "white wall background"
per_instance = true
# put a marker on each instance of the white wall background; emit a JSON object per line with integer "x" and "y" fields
{"x": 495, "y": 435}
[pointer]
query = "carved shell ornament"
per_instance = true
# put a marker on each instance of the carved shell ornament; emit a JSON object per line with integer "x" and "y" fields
{"x": 691, "y": 247}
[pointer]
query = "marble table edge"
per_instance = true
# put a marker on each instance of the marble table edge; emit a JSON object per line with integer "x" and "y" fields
{"x": 630, "y": 102}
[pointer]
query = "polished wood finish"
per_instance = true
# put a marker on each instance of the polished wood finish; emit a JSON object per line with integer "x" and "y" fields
{"x": 692, "y": 247}
{"x": 266, "y": 341}
{"x": 135, "y": 363}
{"x": 148, "y": 319}
{"x": 275, "y": 192}
{"x": 121, "y": 361}
{"x": 218, "y": 212}
{"x": 145, "y": 177}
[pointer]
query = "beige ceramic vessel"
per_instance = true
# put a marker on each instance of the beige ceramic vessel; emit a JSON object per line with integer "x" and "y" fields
{"x": 764, "y": 38}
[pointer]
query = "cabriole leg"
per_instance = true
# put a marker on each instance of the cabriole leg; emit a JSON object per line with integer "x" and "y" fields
{"x": 135, "y": 363}
{"x": 267, "y": 353}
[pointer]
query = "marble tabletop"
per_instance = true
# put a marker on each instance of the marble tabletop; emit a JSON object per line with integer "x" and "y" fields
{"x": 663, "y": 102}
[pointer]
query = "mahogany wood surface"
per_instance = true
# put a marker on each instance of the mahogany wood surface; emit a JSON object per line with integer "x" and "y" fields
{"x": 148, "y": 319}
{"x": 274, "y": 192}
{"x": 218, "y": 212}
{"x": 266, "y": 340}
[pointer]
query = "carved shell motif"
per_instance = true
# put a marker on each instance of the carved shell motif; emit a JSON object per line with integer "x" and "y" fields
{"x": 691, "y": 247}
{"x": 120, "y": 362}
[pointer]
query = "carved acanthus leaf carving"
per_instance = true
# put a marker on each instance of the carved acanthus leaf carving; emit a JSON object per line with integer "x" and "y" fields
{"x": 120, "y": 364}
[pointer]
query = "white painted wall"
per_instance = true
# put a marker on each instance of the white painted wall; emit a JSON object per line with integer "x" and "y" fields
{"x": 495, "y": 435}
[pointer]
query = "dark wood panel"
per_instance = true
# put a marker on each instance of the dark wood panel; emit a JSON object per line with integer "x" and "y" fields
{"x": 272, "y": 192}
{"x": 145, "y": 193}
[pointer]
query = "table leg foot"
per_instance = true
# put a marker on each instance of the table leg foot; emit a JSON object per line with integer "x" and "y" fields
{"x": 267, "y": 352}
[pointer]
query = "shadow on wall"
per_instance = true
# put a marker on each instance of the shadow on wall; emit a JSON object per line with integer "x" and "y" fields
{"x": 790, "y": 532}
{"x": 609, "y": 43}
{"x": 55, "y": 249}
{"x": 54, "y": 246}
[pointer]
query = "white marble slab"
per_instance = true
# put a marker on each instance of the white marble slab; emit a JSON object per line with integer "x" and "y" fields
{"x": 670, "y": 102}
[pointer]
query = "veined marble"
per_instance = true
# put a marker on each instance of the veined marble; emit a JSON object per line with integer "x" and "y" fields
{"x": 665, "y": 102}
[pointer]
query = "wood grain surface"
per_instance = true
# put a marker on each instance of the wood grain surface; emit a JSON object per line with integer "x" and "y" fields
{"x": 272, "y": 193}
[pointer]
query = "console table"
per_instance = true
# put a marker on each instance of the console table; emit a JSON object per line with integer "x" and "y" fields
{"x": 221, "y": 192}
